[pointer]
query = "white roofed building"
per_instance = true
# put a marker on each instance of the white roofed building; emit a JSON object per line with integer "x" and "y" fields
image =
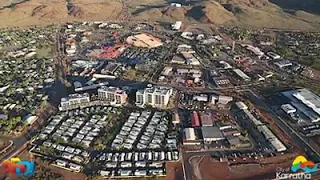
{"x": 242, "y": 75}
{"x": 74, "y": 101}
{"x": 241, "y": 105}
{"x": 189, "y": 134}
{"x": 288, "y": 108}
{"x": 177, "y": 25}
{"x": 305, "y": 102}
{"x": 157, "y": 96}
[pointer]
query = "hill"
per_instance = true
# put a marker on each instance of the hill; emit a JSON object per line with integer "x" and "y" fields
{"x": 285, "y": 14}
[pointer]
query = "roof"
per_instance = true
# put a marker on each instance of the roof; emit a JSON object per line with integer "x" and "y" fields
{"x": 158, "y": 89}
{"x": 252, "y": 118}
{"x": 278, "y": 145}
{"x": 305, "y": 101}
{"x": 283, "y": 63}
{"x": 111, "y": 89}
{"x": 233, "y": 140}
{"x": 206, "y": 119}
{"x": 266, "y": 132}
{"x": 144, "y": 40}
{"x": 195, "y": 121}
{"x": 288, "y": 107}
{"x": 242, "y": 74}
{"x": 241, "y": 105}
{"x": 189, "y": 134}
{"x": 75, "y": 96}
{"x": 211, "y": 132}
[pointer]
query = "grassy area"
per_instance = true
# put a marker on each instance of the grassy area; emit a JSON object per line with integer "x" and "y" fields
{"x": 132, "y": 74}
{"x": 43, "y": 173}
{"x": 115, "y": 121}
{"x": 45, "y": 52}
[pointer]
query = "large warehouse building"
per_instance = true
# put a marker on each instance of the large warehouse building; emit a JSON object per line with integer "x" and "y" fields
{"x": 305, "y": 102}
{"x": 211, "y": 134}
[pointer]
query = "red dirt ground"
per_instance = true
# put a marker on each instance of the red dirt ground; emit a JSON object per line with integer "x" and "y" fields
{"x": 211, "y": 169}
{"x": 66, "y": 174}
{"x": 174, "y": 171}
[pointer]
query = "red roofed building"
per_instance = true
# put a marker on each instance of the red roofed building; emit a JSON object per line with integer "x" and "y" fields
{"x": 195, "y": 121}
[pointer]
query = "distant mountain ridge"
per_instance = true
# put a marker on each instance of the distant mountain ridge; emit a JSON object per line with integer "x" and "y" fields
{"x": 286, "y": 14}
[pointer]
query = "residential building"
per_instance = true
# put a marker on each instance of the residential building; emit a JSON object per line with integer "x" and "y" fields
{"x": 157, "y": 96}
{"x": 74, "y": 101}
{"x": 113, "y": 95}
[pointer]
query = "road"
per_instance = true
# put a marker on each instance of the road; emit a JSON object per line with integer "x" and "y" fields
{"x": 18, "y": 142}
{"x": 309, "y": 146}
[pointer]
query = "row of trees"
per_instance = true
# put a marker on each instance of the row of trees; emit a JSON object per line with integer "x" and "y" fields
{"x": 42, "y": 173}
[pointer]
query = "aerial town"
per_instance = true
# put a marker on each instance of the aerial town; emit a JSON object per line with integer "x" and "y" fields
{"x": 109, "y": 99}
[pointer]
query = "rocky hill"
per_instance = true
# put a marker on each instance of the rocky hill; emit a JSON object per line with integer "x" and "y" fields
{"x": 286, "y": 14}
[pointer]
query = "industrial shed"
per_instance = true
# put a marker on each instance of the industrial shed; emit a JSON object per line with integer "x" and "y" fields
{"x": 211, "y": 134}
{"x": 242, "y": 75}
{"x": 277, "y": 145}
{"x": 189, "y": 134}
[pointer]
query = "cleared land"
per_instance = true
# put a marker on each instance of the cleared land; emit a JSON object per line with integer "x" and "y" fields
{"x": 209, "y": 168}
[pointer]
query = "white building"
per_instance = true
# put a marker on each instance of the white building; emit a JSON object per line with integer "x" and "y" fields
{"x": 74, "y": 101}
{"x": 241, "y": 105}
{"x": 305, "y": 102}
{"x": 283, "y": 63}
{"x": 242, "y": 75}
{"x": 224, "y": 99}
{"x": 175, "y": 4}
{"x": 189, "y": 134}
{"x": 187, "y": 35}
{"x": 288, "y": 108}
{"x": 113, "y": 95}
{"x": 157, "y": 96}
{"x": 201, "y": 97}
{"x": 273, "y": 55}
{"x": 177, "y": 25}
{"x": 255, "y": 50}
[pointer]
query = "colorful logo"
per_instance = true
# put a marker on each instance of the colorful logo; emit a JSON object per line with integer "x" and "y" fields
{"x": 18, "y": 167}
{"x": 302, "y": 163}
